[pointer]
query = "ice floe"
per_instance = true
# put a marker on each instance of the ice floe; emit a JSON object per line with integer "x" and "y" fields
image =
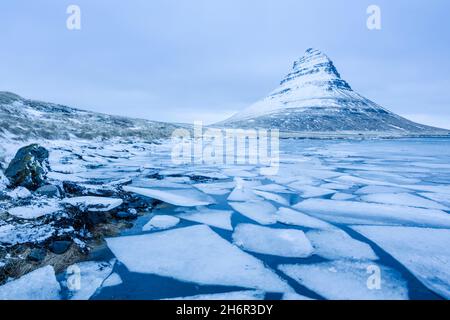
{"x": 296, "y": 218}
{"x": 342, "y": 196}
{"x": 336, "y": 244}
{"x": 93, "y": 204}
{"x": 155, "y": 183}
{"x": 113, "y": 280}
{"x": 273, "y": 188}
{"x": 352, "y": 212}
{"x": 289, "y": 243}
{"x": 161, "y": 222}
{"x": 403, "y": 199}
{"x": 380, "y": 189}
{"x": 219, "y": 188}
{"x": 425, "y": 252}
{"x": 215, "y": 218}
{"x": 205, "y": 258}
{"x": 84, "y": 279}
{"x": 235, "y": 295}
{"x": 311, "y": 191}
{"x": 272, "y": 197}
{"x": 348, "y": 280}
{"x": 438, "y": 197}
{"x": 260, "y": 211}
{"x": 40, "y": 284}
{"x": 183, "y": 197}
{"x": 244, "y": 191}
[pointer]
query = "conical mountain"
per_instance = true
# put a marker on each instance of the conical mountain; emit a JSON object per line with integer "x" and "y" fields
{"x": 313, "y": 98}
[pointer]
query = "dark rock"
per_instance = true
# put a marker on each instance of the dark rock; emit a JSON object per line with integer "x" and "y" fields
{"x": 37, "y": 255}
{"x": 73, "y": 188}
{"x": 59, "y": 247}
{"x": 137, "y": 203}
{"x": 29, "y": 167}
{"x": 93, "y": 218}
{"x": 49, "y": 191}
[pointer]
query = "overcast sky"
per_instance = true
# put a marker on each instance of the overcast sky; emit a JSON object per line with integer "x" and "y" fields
{"x": 186, "y": 60}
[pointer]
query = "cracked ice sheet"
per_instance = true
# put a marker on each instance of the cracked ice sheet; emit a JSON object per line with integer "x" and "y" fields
{"x": 195, "y": 254}
{"x": 439, "y": 197}
{"x": 289, "y": 243}
{"x": 403, "y": 199}
{"x": 113, "y": 280}
{"x": 219, "y": 188}
{"x": 336, "y": 244}
{"x": 92, "y": 275}
{"x": 425, "y": 252}
{"x": 380, "y": 189}
{"x": 40, "y": 284}
{"x": 296, "y": 218}
{"x": 310, "y": 191}
{"x": 276, "y": 188}
{"x": 161, "y": 222}
{"x": 235, "y": 295}
{"x": 260, "y": 211}
{"x": 154, "y": 183}
{"x": 215, "y": 218}
{"x": 347, "y": 280}
{"x": 351, "y": 212}
{"x": 244, "y": 190}
{"x": 183, "y": 197}
{"x": 272, "y": 197}
{"x": 342, "y": 196}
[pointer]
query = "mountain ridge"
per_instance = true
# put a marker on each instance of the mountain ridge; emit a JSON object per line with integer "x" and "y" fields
{"x": 25, "y": 119}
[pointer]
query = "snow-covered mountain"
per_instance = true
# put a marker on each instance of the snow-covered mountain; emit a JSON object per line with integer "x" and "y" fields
{"x": 23, "y": 119}
{"x": 314, "y": 98}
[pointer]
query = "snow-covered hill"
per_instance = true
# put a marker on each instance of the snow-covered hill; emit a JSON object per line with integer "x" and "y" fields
{"x": 314, "y": 98}
{"x": 23, "y": 119}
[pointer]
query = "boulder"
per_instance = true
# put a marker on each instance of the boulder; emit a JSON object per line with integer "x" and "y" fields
{"x": 37, "y": 255}
{"x": 59, "y": 247}
{"x": 49, "y": 191}
{"x": 19, "y": 193}
{"x": 29, "y": 167}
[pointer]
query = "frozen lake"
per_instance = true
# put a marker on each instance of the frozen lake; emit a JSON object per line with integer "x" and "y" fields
{"x": 335, "y": 210}
{"x": 340, "y": 220}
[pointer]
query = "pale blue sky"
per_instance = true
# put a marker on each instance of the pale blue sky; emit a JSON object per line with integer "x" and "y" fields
{"x": 185, "y": 60}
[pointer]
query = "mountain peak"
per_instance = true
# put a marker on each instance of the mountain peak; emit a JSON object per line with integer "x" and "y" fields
{"x": 315, "y": 68}
{"x": 314, "y": 98}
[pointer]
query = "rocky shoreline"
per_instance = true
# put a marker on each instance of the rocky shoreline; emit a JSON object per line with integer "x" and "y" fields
{"x": 57, "y": 224}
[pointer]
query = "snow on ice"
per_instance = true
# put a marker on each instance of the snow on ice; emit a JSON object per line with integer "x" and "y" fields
{"x": 352, "y": 212}
{"x": 184, "y": 197}
{"x": 214, "y": 218}
{"x": 280, "y": 242}
{"x": 347, "y": 280}
{"x": 40, "y": 284}
{"x": 260, "y": 211}
{"x": 161, "y": 222}
{"x": 206, "y": 259}
{"x": 425, "y": 252}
